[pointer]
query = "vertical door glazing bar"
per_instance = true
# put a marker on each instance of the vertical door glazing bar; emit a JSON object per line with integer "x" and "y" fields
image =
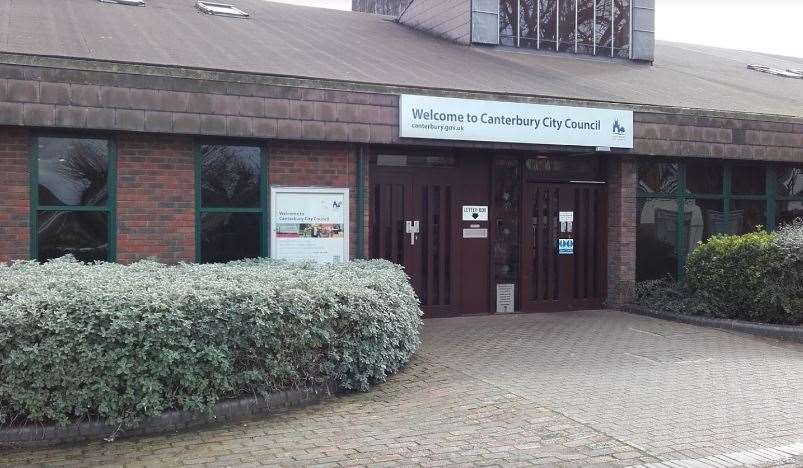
{"x": 538, "y": 24}
{"x": 576, "y": 26}
{"x": 594, "y": 31}
{"x": 613, "y": 27}
{"x": 630, "y": 23}
{"x": 557, "y": 25}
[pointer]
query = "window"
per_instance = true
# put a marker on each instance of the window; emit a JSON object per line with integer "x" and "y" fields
{"x": 749, "y": 215}
{"x": 790, "y": 181}
{"x": 220, "y": 9}
{"x": 125, "y": 2}
{"x": 578, "y": 168}
{"x": 658, "y": 178}
{"x": 788, "y": 73}
{"x": 506, "y": 193}
{"x": 682, "y": 204}
{"x": 789, "y": 212}
{"x": 508, "y": 22}
{"x": 231, "y": 195}
{"x": 72, "y": 199}
{"x": 789, "y": 192}
{"x": 486, "y": 21}
{"x": 593, "y": 27}
{"x": 621, "y": 28}
{"x": 705, "y": 177}
{"x": 749, "y": 180}
{"x": 656, "y": 238}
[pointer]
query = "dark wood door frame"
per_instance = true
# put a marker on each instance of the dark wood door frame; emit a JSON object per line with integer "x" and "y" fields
{"x": 426, "y": 196}
{"x": 552, "y": 282}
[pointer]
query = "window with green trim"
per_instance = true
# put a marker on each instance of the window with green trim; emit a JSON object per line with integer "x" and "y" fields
{"x": 682, "y": 204}
{"x": 72, "y": 198}
{"x": 231, "y": 196}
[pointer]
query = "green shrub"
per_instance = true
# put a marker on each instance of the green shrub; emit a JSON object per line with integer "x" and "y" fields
{"x": 670, "y": 296}
{"x": 122, "y": 342}
{"x": 786, "y": 274}
{"x": 756, "y": 276}
{"x": 730, "y": 274}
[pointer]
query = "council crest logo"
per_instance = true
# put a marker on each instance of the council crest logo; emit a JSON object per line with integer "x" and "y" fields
{"x": 618, "y": 129}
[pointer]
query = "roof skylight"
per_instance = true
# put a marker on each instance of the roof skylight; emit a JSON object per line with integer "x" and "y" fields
{"x": 777, "y": 71}
{"x": 125, "y": 2}
{"x": 221, "y": 9}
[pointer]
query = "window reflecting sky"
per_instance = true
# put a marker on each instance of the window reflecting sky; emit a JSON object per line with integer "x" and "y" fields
{"x": 774, "y": 25}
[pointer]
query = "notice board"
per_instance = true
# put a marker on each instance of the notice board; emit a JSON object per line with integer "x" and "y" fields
{"x": 310, "y": 224}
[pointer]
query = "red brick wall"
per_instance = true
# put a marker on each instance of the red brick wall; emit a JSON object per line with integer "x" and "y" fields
{"x": 156, "y": 190}
{"x": 621, "y": 229}
{"x": 14, "y": 194}
{"x": 320, "y": 165}
{"x": 155, "y": 198}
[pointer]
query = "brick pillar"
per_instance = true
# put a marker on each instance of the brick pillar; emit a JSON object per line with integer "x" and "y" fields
{"x": 155, "y": 198}
{"x": 14, "y": 194}
{"x": 621, "y": 229}
{"x": 366, "y": 221}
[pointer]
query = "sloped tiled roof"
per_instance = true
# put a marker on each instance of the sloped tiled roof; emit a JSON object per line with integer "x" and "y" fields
{"x": 287, "y": 40}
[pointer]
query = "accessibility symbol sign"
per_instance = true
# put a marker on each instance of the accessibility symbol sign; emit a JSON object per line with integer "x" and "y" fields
{"x": 565, "y": 246}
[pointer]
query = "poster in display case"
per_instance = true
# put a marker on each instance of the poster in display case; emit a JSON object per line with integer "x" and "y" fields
{"x": 310, "y": 224}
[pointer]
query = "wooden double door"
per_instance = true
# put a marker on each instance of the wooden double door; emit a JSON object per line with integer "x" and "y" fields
{"x": 564, "y": 249}
{"x": 416, "y": 222}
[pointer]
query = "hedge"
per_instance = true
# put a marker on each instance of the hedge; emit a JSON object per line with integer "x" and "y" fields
{"x": 756, "y": 277}
{"x": 730, "y": 274}
{"x": 118, "y": 343}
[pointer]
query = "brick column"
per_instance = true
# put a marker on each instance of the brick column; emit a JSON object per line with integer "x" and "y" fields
{"x": 155, "y": 198}
{"x": 14, "y": 194}
{"x": 621, "y": 229}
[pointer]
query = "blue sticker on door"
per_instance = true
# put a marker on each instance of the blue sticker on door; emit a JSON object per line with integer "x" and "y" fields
{"x": 565, "y": 246}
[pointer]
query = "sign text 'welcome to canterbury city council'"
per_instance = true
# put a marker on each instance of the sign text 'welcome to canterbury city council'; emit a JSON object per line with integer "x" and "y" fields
{"x": 513, "y": 122}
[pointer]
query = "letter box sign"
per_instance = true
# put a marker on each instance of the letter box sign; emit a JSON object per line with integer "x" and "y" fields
{"x": 442, "y": 118}
{"x": 475, "y": 213}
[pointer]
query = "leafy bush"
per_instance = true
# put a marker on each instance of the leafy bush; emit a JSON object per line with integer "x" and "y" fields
{"x": 756, "y": 277}
{"x": 730, "y": 273}
{"x": 122, "y": 342}
{"x": 786, "y": 274}
{"x": 670, "y": 296}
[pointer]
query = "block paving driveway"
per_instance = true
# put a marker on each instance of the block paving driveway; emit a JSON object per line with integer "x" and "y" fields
{"x": 572, "y": 389}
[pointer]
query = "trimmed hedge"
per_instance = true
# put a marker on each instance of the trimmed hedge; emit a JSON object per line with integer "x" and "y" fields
{"x": 786, "y": 274}
{"x": 730, "y": 273}
{"x": 119, "y": 343}
{"x": 756, "y": 277}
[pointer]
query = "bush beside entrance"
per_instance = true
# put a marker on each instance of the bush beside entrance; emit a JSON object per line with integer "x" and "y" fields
{"x": 756, "y": 277}
{"x": 118, "y": 343}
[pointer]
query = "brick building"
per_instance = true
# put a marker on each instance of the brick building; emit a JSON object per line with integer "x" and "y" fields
{"x": 507, "y": 163}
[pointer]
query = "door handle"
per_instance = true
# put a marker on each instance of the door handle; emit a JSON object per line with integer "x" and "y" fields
{"x": 412, "y": 228}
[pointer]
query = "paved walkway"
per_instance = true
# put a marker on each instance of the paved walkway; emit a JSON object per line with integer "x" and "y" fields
{"x": 570, "y": 389}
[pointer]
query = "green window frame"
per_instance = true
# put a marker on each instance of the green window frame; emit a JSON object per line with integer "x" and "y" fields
{"x": 264, "y": 203}
{"x": 109, "y": 207}
{"x": 681, "y": 195}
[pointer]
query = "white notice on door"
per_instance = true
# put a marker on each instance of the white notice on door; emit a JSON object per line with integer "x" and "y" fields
{"x": 475, "y": 213}
{"x": 566, "y": 217}
{"x": 505, "y": 298}
{"x": 475, "y": 233}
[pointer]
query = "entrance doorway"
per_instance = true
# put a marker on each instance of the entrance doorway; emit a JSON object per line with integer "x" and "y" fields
{"x": 416, "y": 221}
{"x": 563, "y": 253}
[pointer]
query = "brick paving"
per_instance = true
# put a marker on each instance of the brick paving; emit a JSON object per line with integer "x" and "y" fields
{"x": 570, "y": 389}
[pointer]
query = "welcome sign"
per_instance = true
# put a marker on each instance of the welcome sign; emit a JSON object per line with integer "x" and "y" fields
{"x": 442, "y": 118}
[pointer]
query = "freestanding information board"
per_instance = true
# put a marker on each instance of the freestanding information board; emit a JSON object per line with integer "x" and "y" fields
{"x": 310, "y": 224}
